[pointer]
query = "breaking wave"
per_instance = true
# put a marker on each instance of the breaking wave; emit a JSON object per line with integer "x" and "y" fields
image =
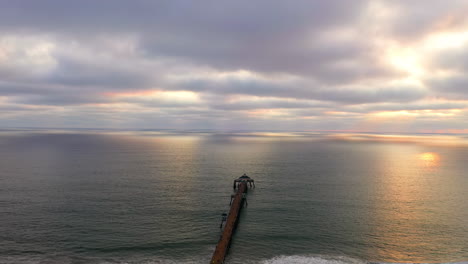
{"x": 297, "y": 259}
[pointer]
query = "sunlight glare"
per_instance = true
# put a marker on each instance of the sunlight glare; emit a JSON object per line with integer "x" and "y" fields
{"x": 447, "y": 40}
{"x": 405, "y": 59}
{"x": 430, "y": 159}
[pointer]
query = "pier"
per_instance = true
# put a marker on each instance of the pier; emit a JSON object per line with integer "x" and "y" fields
{"x": 237, "y": 202}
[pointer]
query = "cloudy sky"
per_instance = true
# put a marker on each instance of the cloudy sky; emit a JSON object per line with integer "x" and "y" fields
{"x": 393, "y": 66}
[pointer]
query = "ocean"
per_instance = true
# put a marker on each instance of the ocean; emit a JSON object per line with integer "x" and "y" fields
{"x": 105, "y": 197}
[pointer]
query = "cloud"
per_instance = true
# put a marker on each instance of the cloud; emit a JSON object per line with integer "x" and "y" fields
{"x": 84, "y": 74}
{"x": 454, "y": 87}
{"x": 24, "y": 57}
{"x": 297, "y": 64}
{"x": 268, "y": 36}
{"x": 248, "y": 83}
{"x": 254, "y": 102}
{"x": 449, "y": 66}
{"x": 425, "y": 105}
{"x": 411, "y": 20}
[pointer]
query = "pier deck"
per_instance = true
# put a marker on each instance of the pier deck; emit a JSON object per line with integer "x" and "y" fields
{"x": 231, "y": 222}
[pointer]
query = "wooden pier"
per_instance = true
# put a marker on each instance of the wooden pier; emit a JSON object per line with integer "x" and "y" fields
{"x": 237, "y": 202}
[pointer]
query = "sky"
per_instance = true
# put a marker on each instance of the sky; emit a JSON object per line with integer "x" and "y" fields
{"x": 296, "y": 65}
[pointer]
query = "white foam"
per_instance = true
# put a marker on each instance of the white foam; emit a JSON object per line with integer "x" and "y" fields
{"x": 301, "y": 259}
{"x": 296, "y": 259}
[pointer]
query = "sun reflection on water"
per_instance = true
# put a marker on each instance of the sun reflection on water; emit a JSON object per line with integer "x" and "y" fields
{"x": 407, "y": 194}
{"x": 429, "y": 159}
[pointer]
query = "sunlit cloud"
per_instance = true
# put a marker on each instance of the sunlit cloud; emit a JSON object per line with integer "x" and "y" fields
{"x": 26, "y": 55}
{"x": 447, "y": 140}
{"x": 446, "y": 40}
{"x": 406, "y": 59}
{"x": 416, "y": 113}
{"x": 156, "y": 99}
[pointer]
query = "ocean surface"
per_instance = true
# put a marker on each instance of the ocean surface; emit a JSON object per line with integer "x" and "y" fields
{"x": 157, "y": 197}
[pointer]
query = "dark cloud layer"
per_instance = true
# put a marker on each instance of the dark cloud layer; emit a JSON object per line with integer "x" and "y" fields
{"x": 215, "y": 63}
{"x": 263, "y": 35}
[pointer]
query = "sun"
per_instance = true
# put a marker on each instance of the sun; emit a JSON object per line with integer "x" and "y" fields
{"x": 411, "y": 58}
{"x": 405, "y": 59}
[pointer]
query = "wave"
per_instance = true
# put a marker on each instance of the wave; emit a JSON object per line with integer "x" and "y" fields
{"x": 301, "y": 259}
{"x": 298, "y": 259}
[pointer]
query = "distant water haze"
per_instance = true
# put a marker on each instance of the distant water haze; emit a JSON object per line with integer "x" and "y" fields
{"x": 157, "y": 197}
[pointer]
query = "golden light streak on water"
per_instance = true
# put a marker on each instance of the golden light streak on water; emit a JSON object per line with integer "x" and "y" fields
{"x": 404, "y": 191}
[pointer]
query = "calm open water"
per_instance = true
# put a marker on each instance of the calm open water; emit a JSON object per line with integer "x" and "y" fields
{"x": 147, "y": 197}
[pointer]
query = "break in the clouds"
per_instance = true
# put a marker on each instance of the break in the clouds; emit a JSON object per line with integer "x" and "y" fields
{"x": 271, "y": 65}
